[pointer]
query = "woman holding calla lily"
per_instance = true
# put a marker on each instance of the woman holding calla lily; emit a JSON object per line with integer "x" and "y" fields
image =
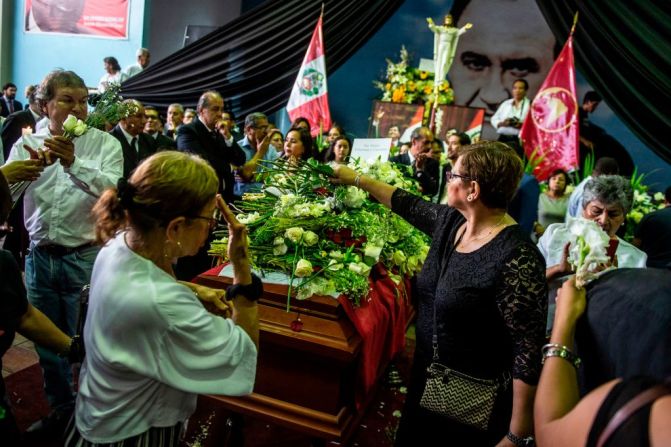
{"x": 606, "y": 201}
{"x": 480, "y": 298}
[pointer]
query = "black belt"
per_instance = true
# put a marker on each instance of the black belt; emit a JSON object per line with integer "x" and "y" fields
{"x": 59, "y": 250}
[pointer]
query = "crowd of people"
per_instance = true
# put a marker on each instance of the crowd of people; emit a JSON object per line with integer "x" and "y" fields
{"x": 133, "y": 209}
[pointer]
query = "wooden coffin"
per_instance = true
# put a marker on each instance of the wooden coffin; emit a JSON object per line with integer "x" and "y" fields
{"x": 305, "y": 378}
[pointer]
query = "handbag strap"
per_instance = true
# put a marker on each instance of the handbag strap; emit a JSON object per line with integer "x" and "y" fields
{"x": 630, "y": 408}
{"x": 434, "y": 339}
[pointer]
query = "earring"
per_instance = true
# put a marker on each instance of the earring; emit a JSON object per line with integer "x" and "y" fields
{"x": 469, "y": 197}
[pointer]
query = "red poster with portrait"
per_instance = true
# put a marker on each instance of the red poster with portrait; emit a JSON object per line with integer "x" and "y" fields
{"x": 94, "y": 18}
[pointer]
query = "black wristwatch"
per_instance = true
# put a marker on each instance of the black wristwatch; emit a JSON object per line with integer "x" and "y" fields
{"x": 251, "y": 291}
{"x": 529, "y": 441}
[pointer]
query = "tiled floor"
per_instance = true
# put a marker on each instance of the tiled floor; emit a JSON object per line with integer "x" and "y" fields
{"x": 20, "y": 356}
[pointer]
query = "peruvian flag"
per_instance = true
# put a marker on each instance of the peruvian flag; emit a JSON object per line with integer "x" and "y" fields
{"x": 550, "y": 130}
{"x": 309, "y": 96}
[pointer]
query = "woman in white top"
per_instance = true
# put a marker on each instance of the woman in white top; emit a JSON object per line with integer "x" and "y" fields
{"x": 151, "y": 344}
{"x": 113, "y": 74}
{"x": 606, "y": 200}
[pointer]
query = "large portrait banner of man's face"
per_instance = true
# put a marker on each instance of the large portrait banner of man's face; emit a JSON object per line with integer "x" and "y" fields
{"x": 94, "y": 18}
{"x": 509, "y": 40}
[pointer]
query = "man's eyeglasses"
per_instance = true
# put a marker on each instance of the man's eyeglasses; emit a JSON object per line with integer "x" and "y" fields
{"x": 449, "y": 175}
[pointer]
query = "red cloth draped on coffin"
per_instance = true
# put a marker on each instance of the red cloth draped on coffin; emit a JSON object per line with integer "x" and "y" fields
{"x": 381, "y": 322}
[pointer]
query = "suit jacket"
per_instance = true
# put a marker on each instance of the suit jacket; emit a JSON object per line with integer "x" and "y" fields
{"x": 161, "y": 142}
{"x": 428, "y": 178}
{"x": 12, "y": 128}
{"x": 4, "y": 110}
{"x": 146, "y": 146}
{"x": 196, "y": 139}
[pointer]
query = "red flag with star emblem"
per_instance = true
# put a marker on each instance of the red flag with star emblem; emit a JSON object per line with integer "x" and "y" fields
{"x": 550, "y": 130}
{"x": 309, "y": 96}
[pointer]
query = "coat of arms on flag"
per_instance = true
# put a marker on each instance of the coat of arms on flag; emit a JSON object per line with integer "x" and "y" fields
{"x": 309, "y": 96}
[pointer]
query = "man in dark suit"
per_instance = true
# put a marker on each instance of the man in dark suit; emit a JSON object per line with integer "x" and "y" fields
{"x": 135, "y": 144}
{"x": 8, "y": 103}
{"x": 152, "y": 127}
{"x": 200, "y": 137}
{"x": 424, "y": 169}
{"x": 17, "y": 123}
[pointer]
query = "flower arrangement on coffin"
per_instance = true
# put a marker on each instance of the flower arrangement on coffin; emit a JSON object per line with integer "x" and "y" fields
{"x": 406, "y": 84}
{"x": 327, "y": 237}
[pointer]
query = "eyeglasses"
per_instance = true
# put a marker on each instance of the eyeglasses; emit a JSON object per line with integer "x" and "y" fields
{"x": 213, "y": 220}
{"x": 451, "y": 175}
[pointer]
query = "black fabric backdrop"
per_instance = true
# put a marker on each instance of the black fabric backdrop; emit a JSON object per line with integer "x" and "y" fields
{"x": 623, "y": 48}
{"x": 253, "y": 60}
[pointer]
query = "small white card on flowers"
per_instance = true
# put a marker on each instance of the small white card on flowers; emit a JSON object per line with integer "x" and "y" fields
{"x": 370, "y": 149}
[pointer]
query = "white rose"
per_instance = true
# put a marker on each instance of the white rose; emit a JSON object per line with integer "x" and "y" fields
{"x": 372, "y": 251}
{"x": 70, "y": 123}
{"x": 310, "y": 238}
{"x": 334, "y": 265}
{"x": 303, "y": 268}
{"x": 359, "y": 268}
{"x": 294, "y": 234}
{"x": 354, "y": 197}
{"x": 80, "y": 128}
{"x": 248, "y": 218}
{"x": 336, "y": 255}
{"x": 279, "y": 250}
{"x": 398, "y": 258}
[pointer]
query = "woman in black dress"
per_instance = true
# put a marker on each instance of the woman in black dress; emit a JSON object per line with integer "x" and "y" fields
{"x": 487, "y": 282}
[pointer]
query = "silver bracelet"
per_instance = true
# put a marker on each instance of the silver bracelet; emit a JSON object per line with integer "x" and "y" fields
{"x": 357, "y": 180}
{"x": 561, "y": 351}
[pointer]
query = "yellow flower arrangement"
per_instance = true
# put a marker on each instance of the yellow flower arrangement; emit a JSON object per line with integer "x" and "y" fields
{"x": 406, "y": 84}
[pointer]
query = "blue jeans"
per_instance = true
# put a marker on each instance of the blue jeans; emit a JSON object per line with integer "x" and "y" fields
{"x": 53, "y": 284}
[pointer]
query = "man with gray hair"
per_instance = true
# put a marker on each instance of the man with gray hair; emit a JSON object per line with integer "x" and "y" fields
{"x": 175, "y": 115}
{"x": 200, "y": 137}
{"x": 424, "y": 168}
{"x": 57, "y": 210}
{"x": 255, "y": 146}
{"x": 143, "y": 57}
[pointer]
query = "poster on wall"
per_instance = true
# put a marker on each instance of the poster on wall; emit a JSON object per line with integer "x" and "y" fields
{"x": 106, "y": 19}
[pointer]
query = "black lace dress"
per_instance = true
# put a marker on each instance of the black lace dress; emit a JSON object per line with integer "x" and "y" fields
{"x": 491, "y": 309}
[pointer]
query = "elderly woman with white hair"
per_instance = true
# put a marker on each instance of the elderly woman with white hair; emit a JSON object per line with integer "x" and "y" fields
{"x": 606, "y": 200}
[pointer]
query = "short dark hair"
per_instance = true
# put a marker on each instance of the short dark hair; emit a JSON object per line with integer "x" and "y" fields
{"x": 523, "y": 81}
{"x": 113, "y": 62}
{"x": 299, "y": 120}
{"x": 8, "y": 85}
{"x": 591, "y": 96}
{"x": 606, "y": 166}
{"x": 567, "y": 179}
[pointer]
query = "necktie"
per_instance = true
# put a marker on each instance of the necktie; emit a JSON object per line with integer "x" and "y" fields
{"x": 133, "y": 144}
{"x": 10, "y": 103}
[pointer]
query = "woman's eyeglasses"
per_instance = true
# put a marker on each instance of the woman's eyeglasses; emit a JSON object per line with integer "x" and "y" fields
{"x": 449, "y": 175}
{"x": 213, "y": 220}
